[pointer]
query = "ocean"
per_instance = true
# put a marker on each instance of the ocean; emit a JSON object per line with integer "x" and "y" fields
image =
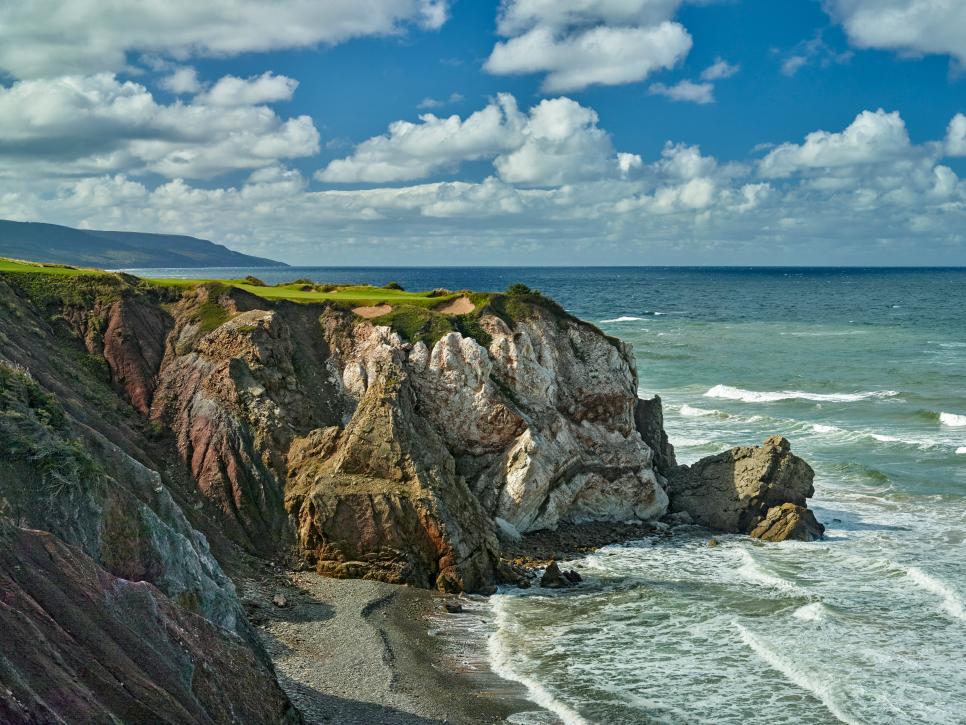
{"x": 864, "y": 371}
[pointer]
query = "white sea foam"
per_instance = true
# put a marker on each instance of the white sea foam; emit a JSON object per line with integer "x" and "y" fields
{"x": 692, "y": 412}
{"x": 951, "y": 603}
{"x": 822, "y": 690}
{"x": 500, "y": 663}
{"x": 952, "y": 420}
{"x": 961, "y": 451}
{"x": 728, "y": 392}
{"x": 810, "y": 612}
{"x": 625, "y": 318}
{"x": 684, "y": 442}
{"x": 752, "y": 571}
{"x": 819, "y": 428}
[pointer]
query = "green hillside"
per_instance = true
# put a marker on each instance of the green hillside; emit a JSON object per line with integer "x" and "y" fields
{"x": 116, "y": 250}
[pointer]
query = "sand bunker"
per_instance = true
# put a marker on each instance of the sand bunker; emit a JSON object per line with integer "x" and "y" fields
{"x": 462, "y": 306}
{"x": 374, "y": 311}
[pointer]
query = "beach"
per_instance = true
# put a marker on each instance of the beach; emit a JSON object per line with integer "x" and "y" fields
{"x": 362, "y": 652}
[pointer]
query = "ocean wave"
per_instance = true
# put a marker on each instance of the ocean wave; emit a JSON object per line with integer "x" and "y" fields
{"x": 952, "y": 420}
{"x": 728, "y": 392}
{"x": 961, "y": 451}
{"x": 683, "y": 442}
{"x": 751, "y": 570}
{"x": 625, "y": 318}
{"x": 951, "y": 603}
{"x": 810, "y": 612}
{"x": 842, "y": 333}
{"x": 692, "y": 412}
{"x": 500, "y": 663}
{"x": 822, "y": 690}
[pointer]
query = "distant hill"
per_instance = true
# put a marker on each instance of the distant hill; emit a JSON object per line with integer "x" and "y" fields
{"x": 116, "y": 250}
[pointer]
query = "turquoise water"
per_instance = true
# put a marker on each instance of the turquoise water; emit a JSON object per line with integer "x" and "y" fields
{"x": 865, "y": 372}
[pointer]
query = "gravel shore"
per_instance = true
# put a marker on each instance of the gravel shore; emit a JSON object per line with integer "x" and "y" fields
{"x": 352, "y": 651}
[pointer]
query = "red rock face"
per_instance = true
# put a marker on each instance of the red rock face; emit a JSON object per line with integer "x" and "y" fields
{"x": 134, "y": 342}
{"x": 95, "y": 648}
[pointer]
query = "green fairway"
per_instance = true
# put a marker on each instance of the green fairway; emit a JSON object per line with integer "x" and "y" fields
{"x": 355, "y": 295}
{"x": 13, "y": 265}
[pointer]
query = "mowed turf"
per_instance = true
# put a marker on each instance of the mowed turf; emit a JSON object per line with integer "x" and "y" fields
{"x": 356, "y": 295}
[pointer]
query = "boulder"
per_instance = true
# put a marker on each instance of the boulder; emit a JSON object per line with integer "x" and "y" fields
{"x": 735, "y": 490}
{"x": 788, "y": 522}
{"x": 553, "y": 578}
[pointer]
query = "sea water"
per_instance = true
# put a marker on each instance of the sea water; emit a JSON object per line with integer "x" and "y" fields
{"x": 865, "y": 372}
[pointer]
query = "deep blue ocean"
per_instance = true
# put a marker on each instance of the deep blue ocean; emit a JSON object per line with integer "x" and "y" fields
{"x": 864, "y": 370}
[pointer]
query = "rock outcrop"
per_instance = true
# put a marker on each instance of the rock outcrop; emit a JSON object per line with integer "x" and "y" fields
{"x": 649, "y": 420}
{"x": 757, "y": 490}
{"x": 788, "y": 521}
{"x": 83, "y": 644}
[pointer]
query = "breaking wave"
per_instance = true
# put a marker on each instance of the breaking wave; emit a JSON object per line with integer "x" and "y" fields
{"x": 795, "y": 674}
{"x": 952, "y": 420}
{"x": 728, "y": 392}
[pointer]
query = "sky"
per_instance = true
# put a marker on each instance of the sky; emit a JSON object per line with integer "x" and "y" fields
{"x": 475, "y": 132}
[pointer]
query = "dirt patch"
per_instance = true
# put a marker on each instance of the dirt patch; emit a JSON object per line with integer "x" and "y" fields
{"x": 461, "y": 306}
{"x": 374, "y": 311}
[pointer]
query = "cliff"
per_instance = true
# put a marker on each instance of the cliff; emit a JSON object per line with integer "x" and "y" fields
{"x": 169, "y": 437}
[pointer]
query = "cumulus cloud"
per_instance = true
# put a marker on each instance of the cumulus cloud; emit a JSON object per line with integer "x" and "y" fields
{"x": 685, "y": 91}
{"x": 99, "y": 124}
{"x": 43, "y": 38}
{"x": 556, "y": 142}
{"x": 873, "y": 137}
{"x": 257, "y": 90}
{"x": 557, "y": 185}
{"x": 907, "y": 26}
{"x": 956, "y": 136}
{"x": 718, "y": 70}
{"x": 183, "y": 80}
{"x": 579, "y": 43}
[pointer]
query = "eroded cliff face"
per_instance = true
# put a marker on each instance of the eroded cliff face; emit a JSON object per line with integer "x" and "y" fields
{"x": 311, "y": 432}
{"x": 395, "y": 459}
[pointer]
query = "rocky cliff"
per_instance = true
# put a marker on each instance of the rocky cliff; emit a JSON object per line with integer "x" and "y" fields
{"x": 168, "y": 436}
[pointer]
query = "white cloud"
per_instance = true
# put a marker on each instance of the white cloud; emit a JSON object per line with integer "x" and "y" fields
{"x": 814, "y": 51}
{"x": 557, "y": 190}
{"x": 907, "y": 26}
{"x": 579, "y": 43}
{"x": 430, "y": 103}
{"x": 685, "y": 91}
{"x": 956, "y": 136}
{"x": 872, "y": 137}
{"x": 99, "y": 124}
{"x": 266, "y": 88}
{"x": 183, "y": 80}
{"x": 718, "y": 70}
{"x": 557, "y": 142}
{"x": 46, "y": 38}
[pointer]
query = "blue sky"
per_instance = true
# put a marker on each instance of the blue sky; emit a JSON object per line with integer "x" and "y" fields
{"x": 566, "y": 132}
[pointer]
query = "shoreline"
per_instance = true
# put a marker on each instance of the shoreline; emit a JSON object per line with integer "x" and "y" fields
{"x": 359, "y": 652}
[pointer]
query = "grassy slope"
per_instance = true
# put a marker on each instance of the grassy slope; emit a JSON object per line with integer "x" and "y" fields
{"x": 414, "y": 315}
{"x": 356, "y": 295}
